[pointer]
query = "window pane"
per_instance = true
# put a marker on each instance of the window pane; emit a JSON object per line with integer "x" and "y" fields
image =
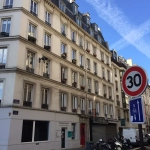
{"x": 41, "y": 131}
{"x": 11, "y": 2}
{"x": 1, "y": 90}
{"x": 4, "y": 56}
{"x": 4, "y": 26}
{"x": 27, "y": 131}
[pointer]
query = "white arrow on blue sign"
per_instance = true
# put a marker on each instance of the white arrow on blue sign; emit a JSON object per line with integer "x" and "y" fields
{"x": 137, "y": 111}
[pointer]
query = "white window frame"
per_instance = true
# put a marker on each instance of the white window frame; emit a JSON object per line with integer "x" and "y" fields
{"x": 87, "y": 45}
{"x": 63, "y": 48}
{"x": 89, "y": 83}
{"x": 88, "y": 63}
{"x": 9, "y": 4}
{"x": 30, "y": 59}
{"x": 103, "y": 72}
{"x": 74, "y": 76}
{"x": 74, "y": 102}
{"x": 32, "y": 32}
{"x": 90, "y": 105}
{"x": 63, "y": 99}
{"x": 44, "y": 92}
{"x": 110, "y": 91}
{"x": 82, "y": 104}
{"x": 48, "y": 17}
{"x": 78, "y": 20}
{"x": 32, "y": 9}
{"x": 102, "y": 56}
{"x": 73, "y": 54}
{"x": 3, "y": 57}
{"x": 80, "y": 41}
{"x": 107, "y": 59}
{"x": 81, "y": 80}
{"x": 111, "y": 110}
{"x": 27, "y": 92}
{"x": 94, "y": 50}
{"x": 46, "y": 66}
{"x": 88, "y": 21}
{"x": 8, "y": 21}
{"x": 81, "y": 60}
{"x": 95, "y": 67}
{"x": 104, "y": 89}
{"x": 105, "y": 109}
{"x": 1, "y": 87}
{"x": 47, "y": 39}
{"x": 73, "y": 35}
{"x": 108, "y": 74}
{"x": 96, "y": 86}
{"x": 62, "y": 7}
{"x": 63, "y": 74}
{"x": 97, "y": 108}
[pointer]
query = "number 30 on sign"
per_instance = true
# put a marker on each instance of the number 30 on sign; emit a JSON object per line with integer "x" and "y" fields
{"x": 134, "y": 81}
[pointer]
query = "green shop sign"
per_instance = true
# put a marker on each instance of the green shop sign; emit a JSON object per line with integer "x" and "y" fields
{"x": 123, "y": 123}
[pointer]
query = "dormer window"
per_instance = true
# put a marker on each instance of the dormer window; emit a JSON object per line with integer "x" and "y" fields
{"x": 88, "y": 21}
{"x": 115, "y": 55}
{"x": 95, "y": 28}
{"x": 62, "y": 6}
{"x": 99, "y": 39}
{"x": 75, "y": 8}
{"x": 91, "y": 32}
{"x": 78, "y": 20}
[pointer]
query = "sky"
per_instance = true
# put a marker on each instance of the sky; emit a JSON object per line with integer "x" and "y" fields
{"x": 125, "y": 25}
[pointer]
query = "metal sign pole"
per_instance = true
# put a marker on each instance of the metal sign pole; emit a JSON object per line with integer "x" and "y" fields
{"x": 141, "y": 136}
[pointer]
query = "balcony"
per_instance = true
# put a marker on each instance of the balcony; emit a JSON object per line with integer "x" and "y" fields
{"x": 63, "y": 33}
{"x": 27, "y": 104}
{"x": 33, "y": 13}
{"x": 48, "y": 48}
{"x": 32, "y": 39}
{"x": 83, "y": 112}
{"x": 82, "y": 87}
{"x": 63, "y": 108}
{"x": 74, "y": 84}
{"x": 94, "y": 55}
{"x": 7, "y": 6}
{"x": 74, "y": 61}
{"x": 4, "y": 34}
{"x": 118, "y": 103}
{"x": 81, "y": 66}
{"x": 46, "y": 75}
{"x": 44, "y": 106}
{"x": 28, "y": 69}
{"x": 48, "y": 23}
{"x": 2, "y": 66}
{"x": 64, "y": 80}
{"x": 64, "y": 55}
{"x": 89, "y": 90}
{"x": 88, "y": 50}
{"x": 74, "y": 110}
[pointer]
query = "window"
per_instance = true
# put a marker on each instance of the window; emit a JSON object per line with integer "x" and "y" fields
{"x": 3, "y": 56}
{"x": 74, "y": 102}
{"x": 111, "y": 110}
{"x": 45, "y": 95}
{"x": 73, "y": 54}
{"x": 73, "y": 130}
{"x": 119, "y": 114}
{"x": 116, "y": 83}
{"x": 74, "y": 77}
{"x": 88, "y": 21}
{"x": 28, "y": 92}
{"x": 99, "y": 39}
{"x": 63, "y": 48}
{"x": 105, "y": 109}
{"x": 110, "y": 92}
{"x": 108, "y": 75}
{"x": 104, "y": 89}
{"x": 95, "y": 68}
{"x": 32, "y": 30}
{"x": 1, "y": 91}
{"x": 103, "y": 72}
{"x": 33, "y": 7}
{"x": 82, "y": 104}
{"x": 63, "y": 100}
{"x": 115, "y": 72}
{"x": 63, "y": 28}
{"x": 94, "y": 50}
{"x": 81, "y": 80}
{"x": 90, "y": 105}
{"x": 63, "y": 73}
{"x": 78, "y": 19}
{"x": 73, "y": 36}
{"x": 47, "y": 17}
{"x": 102, "y": 56}
{"x": 89, "y": 84}
{"x": 40, "y": 129}
{"x": 6, "y": 25}
{"x": 81, "y": 60}
{"x": 107, "y": 60}
{"x": 115, "y": 55}
{"x": 97, "y": 109}
{"x": 30, "y": 60}
{"x": 91, "y": 32}
{"x": 80, "y": 41}
{"x": 46, "y": 66}
{"x": 62, "y": 6}
{"x": 96, "y": 87}
{"x": 75, "y": 9}
{"x": 47, "y": 40}
{"x": 117, "y": 97}
{"x": 87, "y": 45}
{"x": 88, "y": 64}
{"x": 96, "y": 28}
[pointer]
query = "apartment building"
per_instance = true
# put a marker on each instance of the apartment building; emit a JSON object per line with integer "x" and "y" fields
{"x": 55, "y": 76}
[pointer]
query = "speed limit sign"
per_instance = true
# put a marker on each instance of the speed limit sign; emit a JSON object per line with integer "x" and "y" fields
{"x": 134, "y": 81}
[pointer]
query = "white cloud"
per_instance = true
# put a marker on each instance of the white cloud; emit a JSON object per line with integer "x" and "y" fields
{"x": 130, "y": 33}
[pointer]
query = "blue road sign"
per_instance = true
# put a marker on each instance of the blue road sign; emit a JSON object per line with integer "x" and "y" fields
{"x": 137, "y": 111}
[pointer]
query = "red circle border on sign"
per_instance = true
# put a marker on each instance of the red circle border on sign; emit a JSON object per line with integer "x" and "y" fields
{"x": 144, "y": 81}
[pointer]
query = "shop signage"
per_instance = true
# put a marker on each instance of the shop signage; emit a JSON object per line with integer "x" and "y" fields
{"x": 64, "y": 124}
{"x": 100, "y": 120}
{"x": 122, "y": 121}
{"x": 69, "y": 134}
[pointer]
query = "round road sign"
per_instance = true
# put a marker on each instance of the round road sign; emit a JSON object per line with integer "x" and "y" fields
{"x": 134, "y": 81}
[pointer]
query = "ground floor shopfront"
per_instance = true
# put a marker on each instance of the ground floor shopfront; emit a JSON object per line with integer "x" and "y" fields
{"x": 22, "y": 129}
{"x": 103, "y": 129}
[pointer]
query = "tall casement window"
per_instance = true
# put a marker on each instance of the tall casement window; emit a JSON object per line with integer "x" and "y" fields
{"x": 1, "y": 91}
{"x": 3, "y": 57}
{"x": 105, "y": 110}
{"x": 74, "y": 103}
{"x": 107, "y": 60}
{"x": 104, "y": 91}
{"x": 33, "y": 131}
{"x": 87, "y": 45}
{"x": 45, "y": 92}
{"x": 30, "y": 62}
{"x": 63, "y": 48}
{"x": 82, "y": 81}
{"x": 116, "y": 83}
{"x": 94, "y": 51}
{"x": 115, "y": 71}
{"x": 63, "y": 29}
{"x": 74, "y": 56}
{"x": 73, "y": 36}
{"x": 111, "y": 110}
{"x": 90, "y": 107}
{"x": 81, "y": 41}
{"x": 63, "y": 101}
{"x": 103, "y": 73}
{"x": 89, "y": 84}
{"x": 47, "y": 38}
{"x": 82, "y": 105}
{"x": 110, "y": 92}
{"x": 48, "y": 18}
{"x": 95, "y": 68}
{"x": 78, "y": 20}
{"x": 96, "y": 87}
{"x": 74, "y": 79}
{"x": 88, "y": 64}
{"x": 5, "y": 30}
{"x": 81, "y": 61}
{"x": 33, "y": 8}
{"x": 46, "y": 68}
{"x": 28, "y": 89}
{"x": 32, "y": 30}
{"x": 102, "y": 56}
{"x": 73, "y": 130}
{"x": 119, "y": 114}
{"x": 63, "y": 75}
{"x": 8, "y": 4}
{"x": 62, "y": 6}
{"x": 108, "y": 75}
{"x": 97, "y": 108}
